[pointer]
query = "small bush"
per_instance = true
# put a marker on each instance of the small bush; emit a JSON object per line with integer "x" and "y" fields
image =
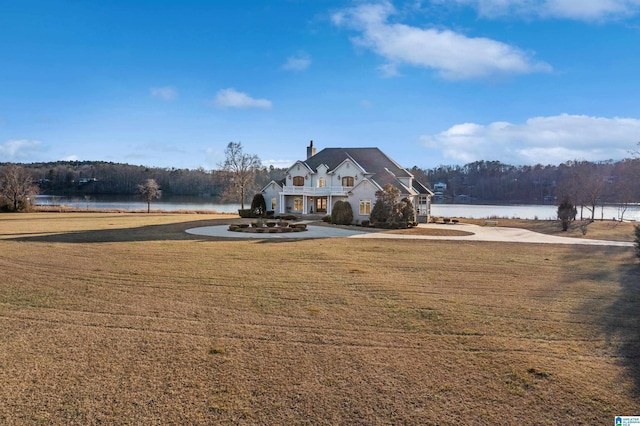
{"x": 245, "y": 213}
{"x": 365, "y": 223}
{"x": 327, "y": 219}
{"x": 286, "y": 217}
{"x": 342, "y": 214}
{"x": 636, "y": 230}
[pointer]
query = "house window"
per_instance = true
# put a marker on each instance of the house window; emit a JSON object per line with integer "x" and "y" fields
{"x": 298, "y": 181}
{"x": 365, "y": 207}
{"x": 322, "y": 183}
{"x": 347, "y": 181}
{"x": 297, "y": 204}
{"x": 273, "y": 204}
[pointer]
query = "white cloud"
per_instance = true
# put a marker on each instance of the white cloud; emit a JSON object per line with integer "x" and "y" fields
{"x": 166, "y": 93}
{"x": 230, "y": 98}
{"x": 389, "y": 70}
{"x": 299, "y": 62}
{"x": 18, "y": 149}
{"x": 544, "y": 140}
{"x": 454, "y": 55}
{"x": 70, "y": 158}
{"x": 278, "y": 163}
{"x": 588, "y": 10}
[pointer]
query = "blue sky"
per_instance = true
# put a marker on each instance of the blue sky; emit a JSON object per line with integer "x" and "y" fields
{"x": 170, "y": 83}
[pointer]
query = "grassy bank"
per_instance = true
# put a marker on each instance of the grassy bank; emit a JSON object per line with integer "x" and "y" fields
{"x": 126, "y": 319}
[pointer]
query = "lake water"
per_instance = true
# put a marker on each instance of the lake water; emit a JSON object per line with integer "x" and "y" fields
{"x": 474, "y": 211}
{"x": 134, "y": 203}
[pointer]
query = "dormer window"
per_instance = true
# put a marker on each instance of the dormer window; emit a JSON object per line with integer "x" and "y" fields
{"x": 322, "y": 183}
{"x": 298, "y": 181}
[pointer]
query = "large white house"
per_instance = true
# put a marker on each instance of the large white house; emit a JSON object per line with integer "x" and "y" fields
{"x": 347, "y": 174}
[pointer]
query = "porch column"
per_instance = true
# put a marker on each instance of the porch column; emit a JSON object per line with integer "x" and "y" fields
{"x": 329, "y": 205}
{"x": 282, "y": 198}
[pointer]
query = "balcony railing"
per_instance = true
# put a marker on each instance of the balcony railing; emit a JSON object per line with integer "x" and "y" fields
{"x": 316, "y": 191}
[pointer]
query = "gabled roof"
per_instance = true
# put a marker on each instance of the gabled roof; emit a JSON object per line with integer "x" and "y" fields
{"x": 304, "y": 164}
{"x": 420, "y": 188}
{"x": 372, "y": 160}
{"x": 380, "y": 168}
{"x": 280, "y": 183}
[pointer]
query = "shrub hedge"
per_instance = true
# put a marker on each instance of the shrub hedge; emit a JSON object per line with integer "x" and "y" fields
{"x": 341, "y": 214}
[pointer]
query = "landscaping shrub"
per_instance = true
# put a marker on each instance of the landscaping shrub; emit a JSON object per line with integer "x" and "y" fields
{"x": 327, "y": 219}
{"x": 342, "y": 214}
{"x": 258, "y": 205}
{"x": 287, "y": 217}
{"x": 365, "y": 223}
{"x": 245, "y": 213}
{"x": 406, "y": 210}
{"x": 380, "y": 213}
{"x": 566, "y": 212}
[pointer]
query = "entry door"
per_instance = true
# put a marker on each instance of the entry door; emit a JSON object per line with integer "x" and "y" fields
{"x": 321, "y": 204}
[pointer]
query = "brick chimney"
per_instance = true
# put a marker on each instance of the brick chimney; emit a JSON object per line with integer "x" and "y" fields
{"x": 311, "y": 151}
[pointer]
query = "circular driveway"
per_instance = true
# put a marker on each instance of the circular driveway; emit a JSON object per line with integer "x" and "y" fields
{"x": 478, "y": 233}
{"x": 311, "y": 232}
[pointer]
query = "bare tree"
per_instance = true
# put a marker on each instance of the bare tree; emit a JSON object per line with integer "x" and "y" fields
{"x": 624, "y": 185}
{"x": 584, "y": 182}
{"x": 17, "y": 187}
{"x": 241, "y": 169}
{"x": 150, "y": 191}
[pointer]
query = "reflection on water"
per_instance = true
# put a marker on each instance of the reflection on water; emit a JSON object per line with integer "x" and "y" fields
{"x": 134, "y": 203}
{"x": 474, "y": 211}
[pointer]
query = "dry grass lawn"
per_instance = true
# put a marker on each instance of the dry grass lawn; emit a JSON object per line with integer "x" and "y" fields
{"x": 125, "y": 319}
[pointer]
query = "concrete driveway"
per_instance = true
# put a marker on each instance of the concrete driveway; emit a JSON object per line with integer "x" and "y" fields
{"x": 479, "y": 233}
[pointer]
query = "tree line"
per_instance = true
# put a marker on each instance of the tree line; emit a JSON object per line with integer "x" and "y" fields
{"x": 587, "y": 184}
{"x": 238, "y": 177}
{"x": 77, "y": 178}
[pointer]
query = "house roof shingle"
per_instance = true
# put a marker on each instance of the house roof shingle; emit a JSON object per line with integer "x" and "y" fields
{"x": 372, "y": 160}
{"x": 382, "y": 169}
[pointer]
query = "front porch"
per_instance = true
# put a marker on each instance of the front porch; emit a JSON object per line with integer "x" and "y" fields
{"x": 307, "y": 204}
